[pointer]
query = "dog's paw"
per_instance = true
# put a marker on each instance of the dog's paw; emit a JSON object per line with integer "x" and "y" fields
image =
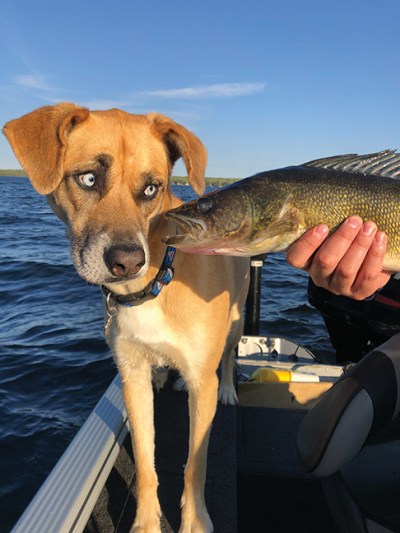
{"x": 194, "y": 517}
{"x": 197, "y": 525}
{"x": 148, "y": 512}
{"x": 179, "y": 385}
{"x": 146, "y": 525}
{"x": 146, "y": 528}
{"x": 146, "y": 522}
{"x": 159, "y": 377}
{"x": 227, "y": 395}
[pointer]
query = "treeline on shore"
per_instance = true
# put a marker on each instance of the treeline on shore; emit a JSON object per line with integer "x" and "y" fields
{"x": 177, "y": 180}
{"x": 12, "y": 173}
{"x": 212, "y": 182}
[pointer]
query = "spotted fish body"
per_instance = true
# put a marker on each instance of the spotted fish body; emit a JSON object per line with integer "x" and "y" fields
{"x": 269, "y": 211}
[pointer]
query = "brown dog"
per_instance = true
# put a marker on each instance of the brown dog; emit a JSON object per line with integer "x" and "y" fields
{"x": 106, "y": 174}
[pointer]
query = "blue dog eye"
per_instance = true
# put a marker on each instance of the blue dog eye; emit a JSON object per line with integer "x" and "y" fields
{"x": 87, "y": 180}
{"x": 150, "y": 191}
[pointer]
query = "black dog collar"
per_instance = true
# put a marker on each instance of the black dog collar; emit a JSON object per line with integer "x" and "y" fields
{"x": 153, "y": 289}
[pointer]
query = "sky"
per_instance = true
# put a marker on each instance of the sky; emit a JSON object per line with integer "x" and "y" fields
{"x": 263, "y": 84}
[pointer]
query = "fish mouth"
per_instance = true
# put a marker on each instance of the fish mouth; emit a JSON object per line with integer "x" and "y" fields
{"x": 188, "y": 231}
{"x": 192, "y": 237}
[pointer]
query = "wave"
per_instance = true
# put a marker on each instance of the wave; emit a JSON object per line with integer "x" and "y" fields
{"x": 54, "y": 362}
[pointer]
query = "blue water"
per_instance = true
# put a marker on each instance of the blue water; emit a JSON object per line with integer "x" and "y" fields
{"x": 54, "y": 363}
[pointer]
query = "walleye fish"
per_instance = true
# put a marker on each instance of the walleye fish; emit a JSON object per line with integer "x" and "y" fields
{"x": 269, "y": 211}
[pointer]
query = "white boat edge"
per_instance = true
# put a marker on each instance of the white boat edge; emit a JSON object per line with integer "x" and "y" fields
{"x": 67, "y": 497}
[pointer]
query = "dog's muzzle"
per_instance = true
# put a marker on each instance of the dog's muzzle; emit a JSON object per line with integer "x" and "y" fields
{"x": 124, "y": 261}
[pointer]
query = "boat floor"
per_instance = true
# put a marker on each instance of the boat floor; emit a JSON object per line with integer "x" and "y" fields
{"x": 254, "y": 481}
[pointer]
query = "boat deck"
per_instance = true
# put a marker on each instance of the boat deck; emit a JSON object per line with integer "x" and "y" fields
{"x": 254, "y": 481}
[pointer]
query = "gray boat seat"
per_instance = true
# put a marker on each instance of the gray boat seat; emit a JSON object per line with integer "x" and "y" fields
{"x": 355, "y": 410}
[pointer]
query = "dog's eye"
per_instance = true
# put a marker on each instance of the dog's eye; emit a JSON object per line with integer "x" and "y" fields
{"x": 87, "y": 180}
{"x": 150, "y": 191}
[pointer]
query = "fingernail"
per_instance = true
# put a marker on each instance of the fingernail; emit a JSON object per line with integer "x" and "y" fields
{"x": 322, "y": 230}
{"x": 380, "y": 238}
{"x": 354, "y": 222}
{"x": 368, "y": 228}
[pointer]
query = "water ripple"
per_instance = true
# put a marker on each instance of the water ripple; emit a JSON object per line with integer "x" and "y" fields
{"x": 54, "y": 363}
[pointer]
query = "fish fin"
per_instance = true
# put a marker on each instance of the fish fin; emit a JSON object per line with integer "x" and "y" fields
{"x": 385, "y": 163}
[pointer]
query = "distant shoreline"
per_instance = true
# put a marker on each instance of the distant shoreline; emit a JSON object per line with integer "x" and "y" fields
{"x": 176, "y": 180}
{"x": 13, "y": 173}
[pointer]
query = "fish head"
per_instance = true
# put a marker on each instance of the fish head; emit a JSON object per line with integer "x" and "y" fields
{"x": 216, "y": 223}
{"x": 253, "y": 216}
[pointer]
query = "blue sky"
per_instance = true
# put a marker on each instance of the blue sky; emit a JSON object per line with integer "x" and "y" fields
{"x": 263, "y": 84}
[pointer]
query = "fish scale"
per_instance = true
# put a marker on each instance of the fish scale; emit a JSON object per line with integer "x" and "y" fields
{"x": 269, "y": 211}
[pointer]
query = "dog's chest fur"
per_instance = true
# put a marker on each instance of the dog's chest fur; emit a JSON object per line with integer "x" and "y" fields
{"x": 147, "y": 326}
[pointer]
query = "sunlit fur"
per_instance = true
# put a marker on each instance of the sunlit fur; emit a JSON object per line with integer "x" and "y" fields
{"x": 194, "y": 321}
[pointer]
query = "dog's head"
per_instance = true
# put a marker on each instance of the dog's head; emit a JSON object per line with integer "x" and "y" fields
{"x": 106, "y": 175}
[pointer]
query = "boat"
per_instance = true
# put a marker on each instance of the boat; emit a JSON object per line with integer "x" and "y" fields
{"x": 256, "y": 475}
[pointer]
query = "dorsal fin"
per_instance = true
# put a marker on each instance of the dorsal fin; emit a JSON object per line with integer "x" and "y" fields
{"x": 385, "y": 163}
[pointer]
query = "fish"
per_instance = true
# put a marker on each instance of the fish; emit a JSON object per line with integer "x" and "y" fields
{"x": 269, "y": 211}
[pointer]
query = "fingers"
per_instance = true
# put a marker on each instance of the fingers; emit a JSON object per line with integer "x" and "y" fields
{"x": 349, "y": 263}
{"x": 301, "y": 252}
{"x": 371, "y": 277}
{"x": 359, "y": 271}
{"x": 336, "y": 265}
{"x": 325, "y": 269}
{"x": 326, "y": 259}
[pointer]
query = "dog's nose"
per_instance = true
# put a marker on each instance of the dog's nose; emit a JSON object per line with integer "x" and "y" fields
{"x": 124, "y": 261}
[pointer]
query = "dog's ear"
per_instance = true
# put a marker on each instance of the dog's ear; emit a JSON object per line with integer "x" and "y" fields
{"x": 181, "y": 142}
{"x": 39, "y": 140}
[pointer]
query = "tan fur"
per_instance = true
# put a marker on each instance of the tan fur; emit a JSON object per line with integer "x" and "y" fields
{"x": 194, "y": 321}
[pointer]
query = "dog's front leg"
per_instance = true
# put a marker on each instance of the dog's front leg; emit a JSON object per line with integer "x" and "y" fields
{"x": 202, "y": 405}
{"x": 138, "y": 397}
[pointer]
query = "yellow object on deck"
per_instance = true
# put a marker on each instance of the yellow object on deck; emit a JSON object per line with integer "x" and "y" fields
{"x": 267, "y": 375}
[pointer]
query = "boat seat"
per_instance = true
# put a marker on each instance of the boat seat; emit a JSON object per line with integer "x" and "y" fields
{"x": 353, "y": 412}
{"x": 352, "y": 438}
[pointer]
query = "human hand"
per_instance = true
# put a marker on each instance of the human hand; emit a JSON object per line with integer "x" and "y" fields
{"x": 348, "y": 263}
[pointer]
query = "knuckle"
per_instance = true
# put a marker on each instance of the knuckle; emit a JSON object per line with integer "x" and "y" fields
{"x": 370, "y": 275}
{"x": 323, "y": 261}
{"x": 346, "y": 234}
{"x": 378, "y": 252}
{"x": 293, "y": 260}
{"x": 344, "y": 273}
{"x": 348, "y": 237}
{"x": 364, "y": 243}
{"x": 297, "y": 260}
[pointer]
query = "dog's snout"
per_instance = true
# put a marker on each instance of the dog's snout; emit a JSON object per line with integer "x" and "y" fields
{"x": 124, "y": 261}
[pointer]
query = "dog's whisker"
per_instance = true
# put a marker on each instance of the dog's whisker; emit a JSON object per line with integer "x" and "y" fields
{"x": 108, "y": 181}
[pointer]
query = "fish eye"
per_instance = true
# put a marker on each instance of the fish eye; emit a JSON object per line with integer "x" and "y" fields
{"x": 150, "y": 191}
{"x": 204, "y": 205}
{"x": 87, "y": 181}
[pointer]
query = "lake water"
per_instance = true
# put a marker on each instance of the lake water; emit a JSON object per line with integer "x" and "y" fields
{"x": 54, "y": 363}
